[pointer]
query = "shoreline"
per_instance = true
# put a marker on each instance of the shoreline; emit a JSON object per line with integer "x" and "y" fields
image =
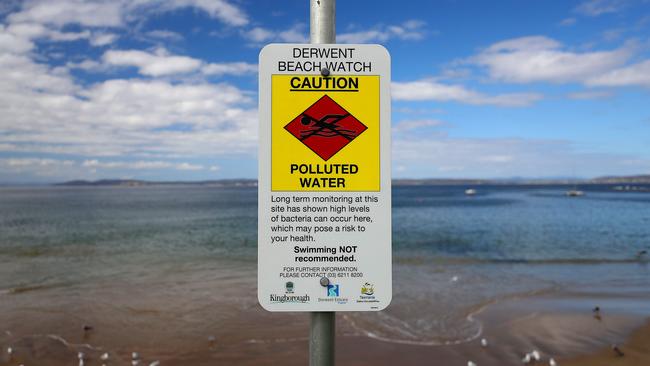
{"x": 557, "y": 324}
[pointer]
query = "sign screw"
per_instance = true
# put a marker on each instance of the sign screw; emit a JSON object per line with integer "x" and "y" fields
{"x": 325, "y": 72}
{"x": 324, "y": 281}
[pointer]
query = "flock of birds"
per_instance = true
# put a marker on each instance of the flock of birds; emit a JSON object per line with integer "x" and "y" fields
{"x": 105, "y": 357}
{"x": 135, "y": 358}
{"x": 530, "y": 358}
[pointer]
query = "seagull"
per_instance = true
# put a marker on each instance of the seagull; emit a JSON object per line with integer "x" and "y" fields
{"x": 454, "y": 279}
{"x": 80, "y": 355}
{"x": 535, "y": 355}
{"x": 135, "y": 356}
{"x": 484, "y": 342}
{"x": 526, "y": 358}
{"x": 618, "y": 351}
{"x": 596, "y": 312}
{"x": 104, "y": 357}
{"x": 155, "y": 363}
{"x": 10, "y": 351}
{"x": 552, "y": 362}
{"x": 470, "y": 363}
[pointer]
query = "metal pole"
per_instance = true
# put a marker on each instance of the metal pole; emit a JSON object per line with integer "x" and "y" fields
{"x": 323, "y": 324}
{"x": 321, "y": 339}
{"x": 323, "y": 21}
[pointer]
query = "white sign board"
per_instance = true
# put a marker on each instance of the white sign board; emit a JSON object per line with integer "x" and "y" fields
{"x": 324, "y": 178}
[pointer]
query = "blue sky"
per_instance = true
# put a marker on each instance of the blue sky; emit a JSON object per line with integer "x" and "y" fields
{"x": 167, "y": 90}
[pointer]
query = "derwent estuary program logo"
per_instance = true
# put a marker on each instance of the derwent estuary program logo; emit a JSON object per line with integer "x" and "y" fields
{"x": 332, "y": 290}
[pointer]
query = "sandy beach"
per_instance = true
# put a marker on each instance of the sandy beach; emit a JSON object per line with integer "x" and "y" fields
{"x": 636, "y": 350}
{"x": 557, "y": 325}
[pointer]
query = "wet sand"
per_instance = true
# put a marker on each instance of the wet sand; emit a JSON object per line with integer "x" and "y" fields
{"x": 558, "y": 325}
{"x": 636, "y": 352}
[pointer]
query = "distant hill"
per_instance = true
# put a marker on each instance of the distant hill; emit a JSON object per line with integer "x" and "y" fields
{"x": 440, "y": 182}
{"x": 633, "y": 179}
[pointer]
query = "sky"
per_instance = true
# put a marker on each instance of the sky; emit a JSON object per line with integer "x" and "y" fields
{"x": 167, "y": 90}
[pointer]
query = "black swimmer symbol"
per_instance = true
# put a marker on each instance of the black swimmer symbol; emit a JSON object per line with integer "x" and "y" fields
{"x": 321, "y": 127}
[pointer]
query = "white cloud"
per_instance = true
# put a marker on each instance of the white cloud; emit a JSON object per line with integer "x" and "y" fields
{"x": 230, "y": 68}
{"x": 636, "y": 74}
{"x": 433, "y": 90}
{"x": 259, "y": 34}
{"x": 12, "y": 43}
{"x": 45, "y": 111}
{"x": 568, "y": 22}
{"x": 162, "y": 63}
{"x": 595, "y": 8}
{"x": 295, "y": 34}
{"x": 33, "y": 162}
{"x": 31, "y": 31}
{"x": 165, "y": 34}
{"x": 218, "y": 9}
{"x": 30, "y": 169}
{"x": 103, "y": 39}
{"x": 410, "y": 125}
{"x": 424, "y": 156}
{"x": 141, "y": 164}
{"x": 409, "y": 30}
{"x": 117, "y": 13}
{"x": 590, "y": 94}
{"x": 62, "y": 12}
{"x": 158, "y": 63}
{"x": 541, "y": 59}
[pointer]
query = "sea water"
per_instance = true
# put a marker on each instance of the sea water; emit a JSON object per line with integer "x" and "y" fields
{"x": 140, "y": 261}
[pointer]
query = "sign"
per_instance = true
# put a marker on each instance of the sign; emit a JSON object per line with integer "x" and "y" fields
{"x": 324, "y": 222}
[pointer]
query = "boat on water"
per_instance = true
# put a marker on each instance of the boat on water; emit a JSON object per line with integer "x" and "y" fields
{"x": 470, "y": 192}
{"x": 575, "y": 193}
